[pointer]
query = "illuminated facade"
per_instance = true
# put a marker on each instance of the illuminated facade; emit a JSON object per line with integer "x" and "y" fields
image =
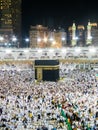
{"x": 38, "y": 36}
{"x": 69, "y": 54}
{"x": 42, "y": 37}
{"x": 94, "y": 33}
{"x": 10, "y": 19}
{"x": 59, "y": 39}
{"x": 81, "y": 35}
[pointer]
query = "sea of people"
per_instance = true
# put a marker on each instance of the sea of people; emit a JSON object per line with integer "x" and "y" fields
{"x": 69, "y": 104}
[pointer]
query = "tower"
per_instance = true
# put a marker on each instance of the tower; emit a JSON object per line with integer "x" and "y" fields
{"x": 10, "y": 19}
{"x": 74, "y": 39}
{"x": 89, "y": 37}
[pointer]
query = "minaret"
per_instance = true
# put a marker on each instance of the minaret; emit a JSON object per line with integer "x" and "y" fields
{"x": 74, "y": 40}
{"x": 89, "y": 37}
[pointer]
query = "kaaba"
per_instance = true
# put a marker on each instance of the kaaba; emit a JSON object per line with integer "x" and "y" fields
{"x": 47, "y": 70}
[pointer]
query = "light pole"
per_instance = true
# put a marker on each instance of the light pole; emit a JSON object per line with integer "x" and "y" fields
{"x": 14, "y": 40}
{"x": 27, "y": 42}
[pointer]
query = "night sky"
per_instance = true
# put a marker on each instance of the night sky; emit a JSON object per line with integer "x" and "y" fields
{"x": 57, "y": 14}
